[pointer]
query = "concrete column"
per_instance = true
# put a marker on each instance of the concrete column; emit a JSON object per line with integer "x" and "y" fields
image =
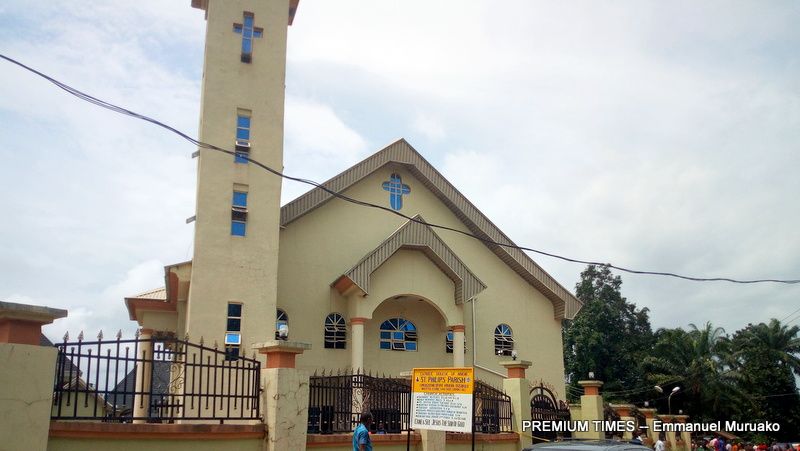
{"x": 357, "y": 343}
{"x": 144, "y": 356}
{"x": 26, "y": 377}
{"x": 431, "y": 440}
{"x": 624, "y": 412}
{"x": 458, "y": 345}
{"x": 671, "y": 440}
{"x": 685, "y": 436}
{"x": 516, "y": 386}
{"x": 591, "y": 408}
{"x": 649, "y": 416}
{"x": 285, "y": 395}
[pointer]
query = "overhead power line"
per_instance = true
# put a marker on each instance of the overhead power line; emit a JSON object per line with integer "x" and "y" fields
{"x": 110, "y": 106}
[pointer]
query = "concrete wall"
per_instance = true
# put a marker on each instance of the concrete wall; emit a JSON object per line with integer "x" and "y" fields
{"x": 322, "y": 245}
{"x": 26, "y": 395}
{"x": 110, "y": 444}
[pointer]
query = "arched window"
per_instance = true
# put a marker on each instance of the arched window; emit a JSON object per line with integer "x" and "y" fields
{"x": 448, "y": 342}
{"x": 335, "y": 332}
{"x": 503, "y": 339}
{"x": 398, "y": 334}
{"x": 281, "y": 322}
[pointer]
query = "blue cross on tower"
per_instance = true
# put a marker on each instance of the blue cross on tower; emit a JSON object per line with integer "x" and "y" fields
{"x": 248, "y": 32}
{"x": 396, "y": 191}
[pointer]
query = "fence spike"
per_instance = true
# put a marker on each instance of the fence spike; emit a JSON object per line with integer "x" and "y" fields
{"x": 216, "y": 344}
{"x": 100, "y": 335}
{"x": 137, "y": 333}
{"x": 186, "y": 337}
{"x": 80, "y": 336}
{"x": 119, "y": 334}
{"x": 201, "y": 340}
{"x": 66, "y": 336}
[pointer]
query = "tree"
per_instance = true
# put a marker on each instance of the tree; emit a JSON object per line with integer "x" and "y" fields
{"x": 609, "y": 337}
{"x": 699, "y": 362}
{"x": 766, "y": 356}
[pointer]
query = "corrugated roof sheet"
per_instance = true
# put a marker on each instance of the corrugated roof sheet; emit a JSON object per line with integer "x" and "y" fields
{"x": 155, "y": 294}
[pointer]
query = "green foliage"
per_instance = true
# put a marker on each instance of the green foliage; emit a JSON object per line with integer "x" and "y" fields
{"x": 749, "y": 376}
{"x": 766, "y": 357}
{"x": 697, "y": 361}
{"x": 609, "y": 337}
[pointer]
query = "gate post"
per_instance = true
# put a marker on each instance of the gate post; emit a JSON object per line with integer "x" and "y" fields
{"x": 685, "y": 436}
{"x": 517, "y": 387}
{"x": 591, "y": 409}
{"x": 649, "y": 417}
{"x": 624, "y": 412}
{"x": 285, "y": 396}
{"x": 26, "y": 376}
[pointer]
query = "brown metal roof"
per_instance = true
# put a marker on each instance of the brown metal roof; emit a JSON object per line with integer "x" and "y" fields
{"x": 566, "y": 306}
{"x": 413, "y": 235}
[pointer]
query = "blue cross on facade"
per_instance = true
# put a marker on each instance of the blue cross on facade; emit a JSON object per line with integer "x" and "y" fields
{"x": 396, "y": 191}
{"x": 248, "y": 32}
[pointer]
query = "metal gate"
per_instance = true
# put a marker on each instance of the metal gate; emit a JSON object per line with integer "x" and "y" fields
{"x": 545, "y": 407}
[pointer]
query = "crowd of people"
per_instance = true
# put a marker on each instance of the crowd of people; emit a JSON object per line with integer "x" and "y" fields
{"x": 719, "y": 444}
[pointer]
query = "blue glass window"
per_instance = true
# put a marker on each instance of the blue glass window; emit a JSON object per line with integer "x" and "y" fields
{"x": 238, "y": 228}
{"x": 398, "y": 334}
{"x": 448, "y": 342}
{"x": 248, "y": 32}
{"x": 242, "y": 134}
{"x": 233, "y": 334}
{"x": 281, "y": 321}
{"x": 239, "y": 199}
{"x": 503, "y": 339}
{"x": 239, "y": 214}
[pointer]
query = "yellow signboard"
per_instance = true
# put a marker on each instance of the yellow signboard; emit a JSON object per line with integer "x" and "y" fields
{"x": 441, "y": 399}
{"x": 443, "y": 380}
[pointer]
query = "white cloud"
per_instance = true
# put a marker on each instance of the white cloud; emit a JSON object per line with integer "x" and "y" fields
{"x": 318, "y": 141}
{"x": 631, "y": 133}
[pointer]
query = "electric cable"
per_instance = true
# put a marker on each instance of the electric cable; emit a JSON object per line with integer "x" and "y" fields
{"x": 110, "y": 106}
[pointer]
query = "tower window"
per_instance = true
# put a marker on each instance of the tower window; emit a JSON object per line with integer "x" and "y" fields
{"x": 503, "y": 340}
{"x": 335, "y": 332}
{"x": 239, "y": 214}
{"x": 242, "y": 137}
{"x": 281, "y": 325}
{"x": 398, "y": 334}
{"x": 248, "y": 32}
{"x": 233, "y": 331}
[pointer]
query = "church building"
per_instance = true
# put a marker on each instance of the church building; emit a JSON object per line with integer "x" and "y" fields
{"x": 370, "y": 289}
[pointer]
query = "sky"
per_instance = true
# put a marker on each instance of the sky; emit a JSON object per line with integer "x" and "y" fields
{"x": 653, "y": 135}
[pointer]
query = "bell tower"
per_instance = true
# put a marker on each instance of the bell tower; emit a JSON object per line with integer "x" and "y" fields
{"x": 233, "y": 289}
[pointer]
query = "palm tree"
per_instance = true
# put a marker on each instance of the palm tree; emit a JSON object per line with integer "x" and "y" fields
{"x": 698, "y": 361}
{"x": 776, "y": 342}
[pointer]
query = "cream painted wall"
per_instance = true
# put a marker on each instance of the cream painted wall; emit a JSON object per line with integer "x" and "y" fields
{"x": 322, "y": 245}
{"x": 229, "y": 268}
{"x": 26, "y": 394}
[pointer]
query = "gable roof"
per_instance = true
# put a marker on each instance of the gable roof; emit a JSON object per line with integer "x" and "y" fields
{"x": 414, "y": 235}
{"x": 565, "y": 305}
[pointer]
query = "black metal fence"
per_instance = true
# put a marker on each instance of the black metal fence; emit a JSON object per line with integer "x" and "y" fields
{"x": 492, "y": 409}
{"x": 337, "y": 400}
{"x": 159, "y": 379}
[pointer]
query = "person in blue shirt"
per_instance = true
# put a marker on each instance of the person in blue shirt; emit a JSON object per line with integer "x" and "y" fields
{"x": 361, "y": 440}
